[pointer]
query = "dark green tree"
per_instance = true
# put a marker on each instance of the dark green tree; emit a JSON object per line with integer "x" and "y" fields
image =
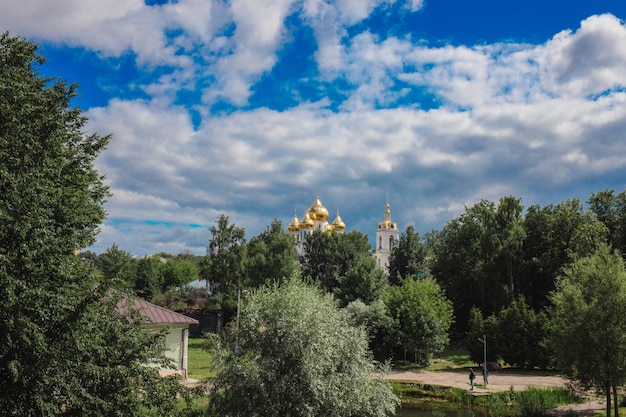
{"x": 271, "y": 256}
{"x": 610, "y": 209}
{"x": 327, "y": 257}
{"x": 227, "y": 249}
{"x": 465, "y": 253}
{"x": 64, "y": 348}
{"x": 555, "y": 234}
{"x": 409, "y": 258}
{"x": 298, "y": 356}
{"x": 520, "y": 335}
{"x": 149, "y": 279}
{"x": 382, "y": 329}
{"x": 119, "y": 265}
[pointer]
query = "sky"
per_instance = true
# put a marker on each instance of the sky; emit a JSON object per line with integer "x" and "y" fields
{"x": 250, "y": 108}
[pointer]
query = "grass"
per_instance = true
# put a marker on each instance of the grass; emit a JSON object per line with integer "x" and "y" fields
{"x": 199, "y": 361}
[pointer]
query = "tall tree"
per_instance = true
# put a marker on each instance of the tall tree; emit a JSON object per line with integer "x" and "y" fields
{"x": 227, "y": 251}
{"x": 298, "y": 356}
{"x": 271, "y": 256}
{"x": 64, "y": 348}
{"x": 610, "y": 209}
{"x": 327, "y": 257}
{"x": 465, "y": 253}
{"x": 424, "y": 315}
{"x": 408, "y": 257}
{"x": 555, "y": 236}
{"x": 588, "y": 317}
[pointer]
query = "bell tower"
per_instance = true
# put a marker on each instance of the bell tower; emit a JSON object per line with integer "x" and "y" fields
{"x": 387, "y": 236}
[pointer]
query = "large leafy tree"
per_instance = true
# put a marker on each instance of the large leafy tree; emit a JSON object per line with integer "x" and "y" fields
{"x": 408, "y": 257}
{"x": 227, "y": 251}
{"x": 64, "y": 348}
{"x": 610, "y": 209}
{"x": 365, "y": 281}
{"x": 328, "y": 257}
{"x": 298, "y": 356}
{"x": 271, "y": 256}
{"x": 588, "y": 317}
{"x": 555, "y": 236}
{"x": 424, "y": 316}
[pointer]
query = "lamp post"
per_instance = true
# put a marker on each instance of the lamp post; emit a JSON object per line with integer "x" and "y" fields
{"x": 484, "y": 342}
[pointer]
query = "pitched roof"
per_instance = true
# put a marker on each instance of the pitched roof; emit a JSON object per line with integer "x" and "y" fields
{"x": 159, "y": 315}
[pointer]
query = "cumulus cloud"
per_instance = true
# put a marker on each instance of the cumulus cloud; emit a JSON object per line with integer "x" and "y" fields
{"x": 532, "y": 121}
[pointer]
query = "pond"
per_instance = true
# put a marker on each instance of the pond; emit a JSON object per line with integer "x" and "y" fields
{"x": 420, "y": 412}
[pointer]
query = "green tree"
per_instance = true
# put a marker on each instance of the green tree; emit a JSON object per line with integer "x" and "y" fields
{"x": 364, "y": 281}
{"x": 588, "y": 322}
{"x": 327, "y": 257}
{"x": 148, "y": 279}
{"x": 271, "y": 256}
{"x": 408, "y": 257}
{"x": 610, "y": 209}
{"x": 555, "y": 236}
{"x": 424, "y": 315}
{"x": 383, "y": 331}
{"x": 119, "y": 265}
{"x": 298, "y": 356}
{"x": 227, "y": 251}
{"x": 520, "y": 334}
{"x": 64, "y": 348}
{"x": 465, "y": 253}
{"x": 177, "y": 272}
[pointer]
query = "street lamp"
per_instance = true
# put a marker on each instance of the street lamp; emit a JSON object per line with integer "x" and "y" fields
{"x": 484, "y": 342}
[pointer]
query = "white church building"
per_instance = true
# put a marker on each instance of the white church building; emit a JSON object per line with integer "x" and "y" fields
{"x": 316, "y": 218}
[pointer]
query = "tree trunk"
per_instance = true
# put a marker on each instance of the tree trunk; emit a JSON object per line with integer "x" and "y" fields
{"x": 615, "y": 401}
{"x": 607, "y": 390}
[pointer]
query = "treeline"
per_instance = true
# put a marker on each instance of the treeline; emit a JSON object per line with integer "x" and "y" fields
{"x": 496, "y": 263}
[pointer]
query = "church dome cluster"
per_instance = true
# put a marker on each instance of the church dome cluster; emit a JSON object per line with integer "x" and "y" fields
{"x": 316, "y": 218}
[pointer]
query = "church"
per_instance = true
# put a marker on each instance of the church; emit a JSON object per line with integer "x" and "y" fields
{"x": 316, "y": 218}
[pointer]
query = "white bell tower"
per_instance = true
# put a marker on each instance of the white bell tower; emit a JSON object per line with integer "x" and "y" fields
{"x": 387, "y": 236}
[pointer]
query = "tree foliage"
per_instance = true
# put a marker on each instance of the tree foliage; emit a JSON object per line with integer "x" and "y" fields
{"x": 409, "y": 257}
{"x": 298, "y": 356}
{"x": 328, "y": 257}
{"x": 271, "y": 256}
{"x": 424, "y": 315}
{"x": 64, "y": 348}
{"x": 588, "y": 317}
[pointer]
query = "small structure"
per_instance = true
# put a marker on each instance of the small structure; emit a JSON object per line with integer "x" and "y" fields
{"x": 177, "y": 333}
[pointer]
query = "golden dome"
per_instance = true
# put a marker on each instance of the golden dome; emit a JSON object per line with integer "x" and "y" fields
{"x": 338, "y": 224}
{"x": 307, "y": 222}
{"x": 294, "y": 226}
{"x": 317, "y": 211}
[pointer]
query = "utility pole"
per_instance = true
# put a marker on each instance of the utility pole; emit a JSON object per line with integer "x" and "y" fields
{"x": 484, "y": 342}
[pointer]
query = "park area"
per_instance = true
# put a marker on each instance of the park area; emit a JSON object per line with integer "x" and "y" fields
{"x": 450, "y": 370}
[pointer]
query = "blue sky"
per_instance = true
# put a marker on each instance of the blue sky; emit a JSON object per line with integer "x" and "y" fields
{"x": 250, "y": 107}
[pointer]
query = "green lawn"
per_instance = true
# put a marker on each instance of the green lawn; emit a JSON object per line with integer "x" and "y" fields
{"x": 200, "y": 362}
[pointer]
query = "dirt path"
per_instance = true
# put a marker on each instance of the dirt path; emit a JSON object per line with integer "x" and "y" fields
{"x": 498, "y": 381}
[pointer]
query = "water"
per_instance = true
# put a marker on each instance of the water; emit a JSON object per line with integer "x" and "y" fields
{"x": 417, "y": 412}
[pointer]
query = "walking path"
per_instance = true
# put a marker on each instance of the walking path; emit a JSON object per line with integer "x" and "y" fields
{"x": 498, "y": 382}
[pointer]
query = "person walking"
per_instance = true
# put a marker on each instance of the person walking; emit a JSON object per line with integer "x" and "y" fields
{"x": 472, "y": 377}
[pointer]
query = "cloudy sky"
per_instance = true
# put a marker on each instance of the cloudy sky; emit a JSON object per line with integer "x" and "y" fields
{"x": 250, "y": 107}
